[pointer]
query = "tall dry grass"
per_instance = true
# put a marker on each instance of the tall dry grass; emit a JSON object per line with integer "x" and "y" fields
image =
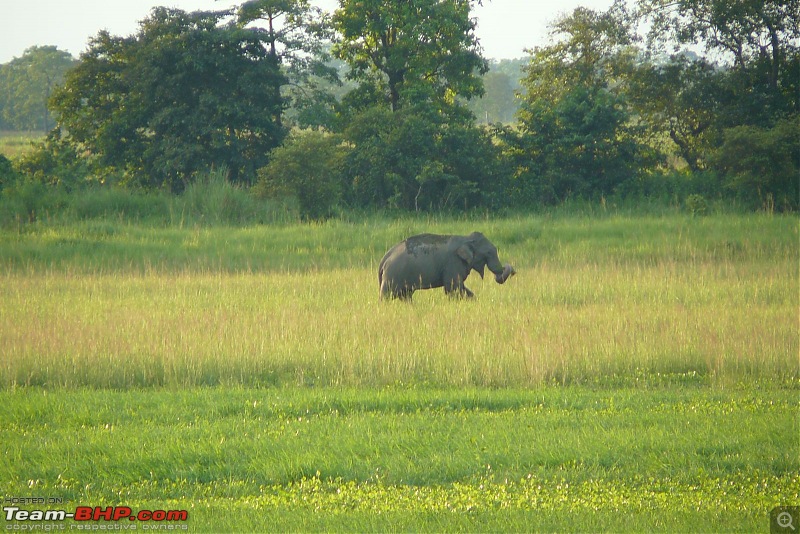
{"x": 726, "y": 318}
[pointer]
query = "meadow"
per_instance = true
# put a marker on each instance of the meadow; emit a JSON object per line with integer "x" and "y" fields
{"x": 15, "y": 143}
{"x": 639, "y": 373}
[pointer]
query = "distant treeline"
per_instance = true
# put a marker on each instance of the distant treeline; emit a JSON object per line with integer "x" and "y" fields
{"x": 381, "y": 105}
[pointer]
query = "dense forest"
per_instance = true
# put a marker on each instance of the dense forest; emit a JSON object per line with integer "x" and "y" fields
{"x": 386, "y": 105}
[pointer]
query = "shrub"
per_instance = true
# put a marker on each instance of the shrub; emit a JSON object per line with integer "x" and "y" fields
{"x": 53, "y": 162}
{"x": 212, "y": 200}
{"x": 27, "y": 201}
{"x": 696, "y": 204}
{"x": 7, "y": 173}
{"x": 308, "y": 168}
{"x": 762, "y": 164}
{"x": 111, "y": 201}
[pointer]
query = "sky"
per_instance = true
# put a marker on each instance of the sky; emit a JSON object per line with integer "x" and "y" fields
{"x": 505, "y": 27}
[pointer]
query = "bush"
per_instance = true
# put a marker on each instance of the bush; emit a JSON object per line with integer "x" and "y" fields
{"x": 27, "y": 201}
{"x": 111, "y": 201}
{"x": 53, "y": 162}
{"x": 696, "y": 204}
{"x": 416, "y": 159}
{"x": 308, "y": 168}
{"x": 762, "y": 164}
{"x": 7, "y": 173}
{"x": 212, "y": 200}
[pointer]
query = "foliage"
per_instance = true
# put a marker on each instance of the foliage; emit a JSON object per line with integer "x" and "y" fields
{"x": 679, "y": 99}
{"x": 573, "y": 136}
{"x": 308, "y": 167}
{"x": 762, "y": 164}
{"x": 751, "y": 31}
{"x": 181, "y": 95}
{"x": 54, "y": 162}
{"x": 411, "y": 53}
{"x": 758, "y": 83}
{"x": 576, "y": 147}
{"x": 412, "y": 160}
{"x": 296, "y": 37}
{"x": 7, "y": 172}
{"x": 413, "y": 143}
{"x": 26, "y": 84}
{"x": 599, "y": 118}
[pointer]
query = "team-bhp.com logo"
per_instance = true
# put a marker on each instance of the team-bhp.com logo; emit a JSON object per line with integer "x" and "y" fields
{"x": 89, "y": 518}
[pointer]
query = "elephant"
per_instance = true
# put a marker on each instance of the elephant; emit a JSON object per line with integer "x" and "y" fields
{"x": 428, "y": 261}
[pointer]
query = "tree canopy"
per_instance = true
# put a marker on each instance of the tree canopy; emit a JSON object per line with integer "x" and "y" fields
{"x": 411, "y": 52}
{"x": 185, "y": 93}
{"x": 705, "y": 105}
{"x": 26, "y": 84}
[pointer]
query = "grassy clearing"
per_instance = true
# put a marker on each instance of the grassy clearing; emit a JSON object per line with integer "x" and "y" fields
{"x": 322, "y": 329}
{"x": 616, "y": 299}
{"x": 686, "y": 459}
{"x": 14, "y": 144}
{"x": 639, "y": 374}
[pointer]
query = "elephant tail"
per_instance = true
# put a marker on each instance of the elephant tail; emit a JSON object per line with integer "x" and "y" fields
{"x": 381, "y": 268}
{"x": 380, "y": 272}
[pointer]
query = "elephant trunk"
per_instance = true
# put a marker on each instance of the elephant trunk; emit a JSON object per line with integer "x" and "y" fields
{"x": 508, "y": 272}
{"x": 501, "y": 272}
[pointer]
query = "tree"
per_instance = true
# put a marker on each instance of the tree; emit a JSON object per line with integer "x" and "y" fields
{"x": 738, "y": 116}
{"x": 574, "y": 135}
{"x": 182, "y": 95}
{"x": 297, "y": 36}
{"x": 679, "y": 100}
{"x": 498, "y": 104}
{"x": 413, "y": 160}
{"x": 26, "y": 84}
{"x": 757, "y": 37}
{"x": 413, "y": 142}
{"x": 762, "y": 164}
{"x": 411, "y": 52}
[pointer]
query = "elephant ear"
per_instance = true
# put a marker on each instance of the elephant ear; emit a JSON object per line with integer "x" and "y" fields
{"x": 466, "y": 253}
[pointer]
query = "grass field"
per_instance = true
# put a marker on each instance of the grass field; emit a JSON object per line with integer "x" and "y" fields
{"x": 640, "y": 373}
{"x": 14, "y": 144}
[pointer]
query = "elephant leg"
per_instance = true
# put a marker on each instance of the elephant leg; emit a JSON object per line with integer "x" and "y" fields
{"x": 454, "y": 283}
{"x": 385, "y": 293}
{"x": 458, "y": 290}
{"x": 390, "y": 291}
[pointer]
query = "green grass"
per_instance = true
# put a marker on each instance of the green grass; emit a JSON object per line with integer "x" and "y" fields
{"x": 595, "y": 300}
{"x": 571, "y": 458}
{"x": 14, "y": 144}
{"x": 639, "y": 374}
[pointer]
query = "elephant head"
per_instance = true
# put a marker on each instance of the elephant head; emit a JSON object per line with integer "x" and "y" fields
{"x": 478, "y": 253}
